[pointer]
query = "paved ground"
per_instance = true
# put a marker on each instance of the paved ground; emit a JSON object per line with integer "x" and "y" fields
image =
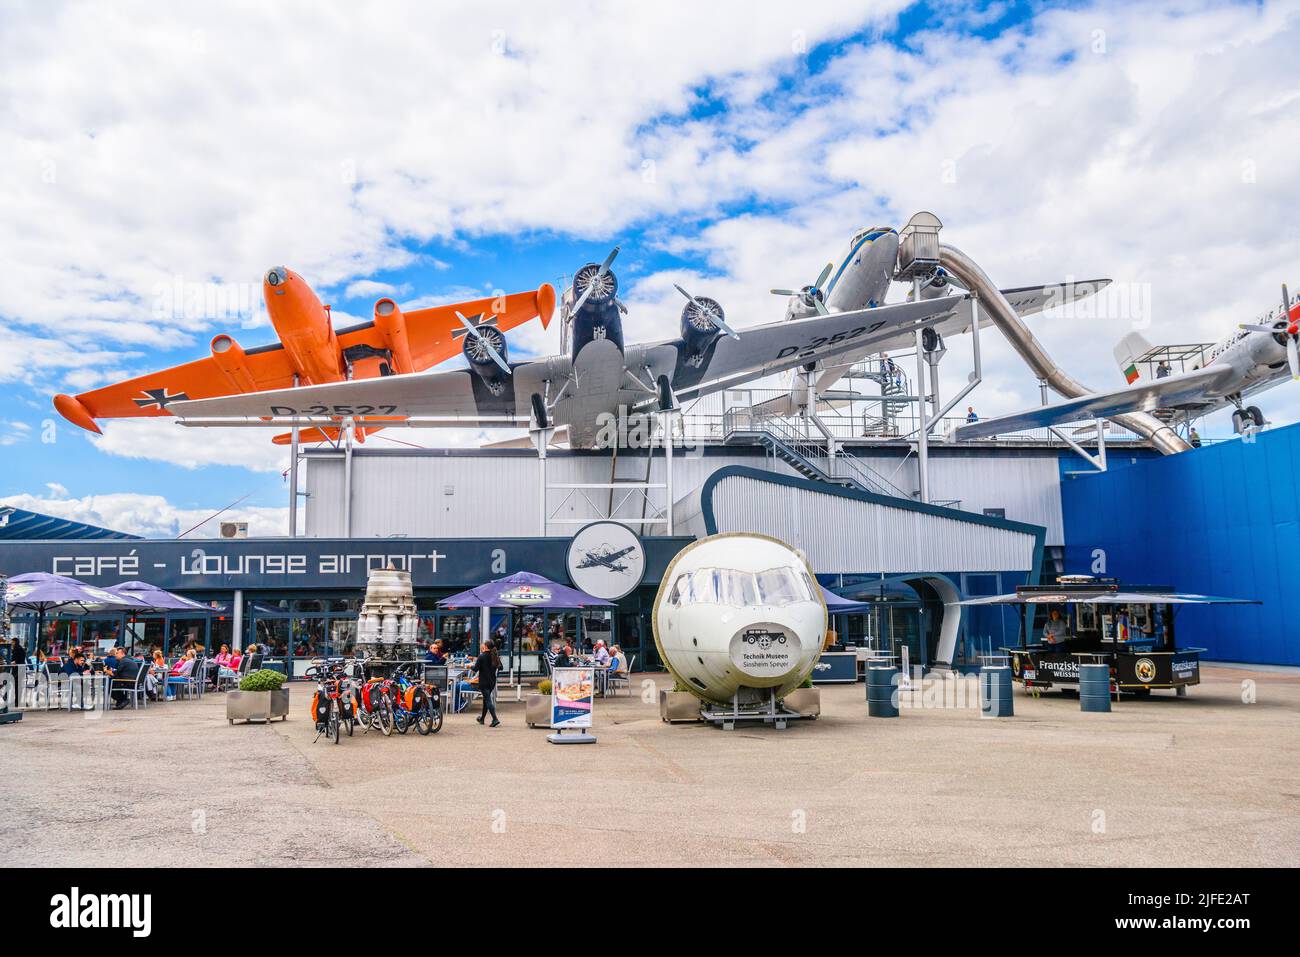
{"x": 1202, "y": 780}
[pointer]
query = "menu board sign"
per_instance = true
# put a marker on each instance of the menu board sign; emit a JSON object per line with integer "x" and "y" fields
{"x": 572, "y": 693}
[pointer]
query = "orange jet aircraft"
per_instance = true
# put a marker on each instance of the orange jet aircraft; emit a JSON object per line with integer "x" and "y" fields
{"x": 312, "y": 350}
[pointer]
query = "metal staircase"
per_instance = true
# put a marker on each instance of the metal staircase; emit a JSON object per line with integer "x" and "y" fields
{"x": 808, "y": 457}
{"x": 894, "y": 382}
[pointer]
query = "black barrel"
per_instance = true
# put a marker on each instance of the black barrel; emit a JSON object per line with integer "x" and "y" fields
{"x": 1094, "y": 687}
{"x": 882, "y": 692}
{"x": 995, "y": 692}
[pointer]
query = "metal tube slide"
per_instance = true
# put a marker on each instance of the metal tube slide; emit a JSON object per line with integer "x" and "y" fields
{"x": 972, "y": 277}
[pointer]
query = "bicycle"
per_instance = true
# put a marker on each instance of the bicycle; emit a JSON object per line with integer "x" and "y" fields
{"x": 333, "y": 706}
{"x": 418, "y": 703}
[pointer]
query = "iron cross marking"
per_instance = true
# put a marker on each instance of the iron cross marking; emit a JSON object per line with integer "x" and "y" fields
{"x": 477, "y": 322}
{"x": 160, "y": 399}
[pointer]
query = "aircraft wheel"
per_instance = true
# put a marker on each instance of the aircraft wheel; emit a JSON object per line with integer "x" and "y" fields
{"x": 1256, "y": 416}
{"x": 1238, "y": 422}
{"x": 539, "y": 412}
{"x": 665, "y": 394}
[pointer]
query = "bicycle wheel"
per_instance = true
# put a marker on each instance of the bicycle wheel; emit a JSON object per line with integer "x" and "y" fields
{"x": 384, "y": 715}
{"x": 403, "y": 719}
{"x": 349, "y": 723}
{"x": 332, "y": 725}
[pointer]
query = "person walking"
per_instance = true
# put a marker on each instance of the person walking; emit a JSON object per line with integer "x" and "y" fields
{"x": 486, "y": 667}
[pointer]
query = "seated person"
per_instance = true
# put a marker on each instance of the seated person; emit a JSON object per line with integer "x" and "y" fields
{"x": 435, "y": 655}
{"x": 124, "y": 670}
{"x": 76, "y": 664}
{"x": 180, "y": 674}
{"x": 601, "y": 655}
{"x": 617, "y": 661}
{"x": 223, "y": 657}
{"x": 230, "y": 667}
{"x": 562, "y": 653}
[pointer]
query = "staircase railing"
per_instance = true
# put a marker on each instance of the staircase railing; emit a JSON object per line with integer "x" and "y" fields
{"x": 842, "y": 469}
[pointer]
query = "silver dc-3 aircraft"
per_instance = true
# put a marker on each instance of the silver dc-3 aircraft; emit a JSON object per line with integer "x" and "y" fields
{"x": 861, "y": 280}
{"x": 599, "y": 379}
{"x": 1256, "y": 357}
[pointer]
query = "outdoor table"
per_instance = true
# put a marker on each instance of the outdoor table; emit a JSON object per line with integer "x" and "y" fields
{"x": 98, "y": 682}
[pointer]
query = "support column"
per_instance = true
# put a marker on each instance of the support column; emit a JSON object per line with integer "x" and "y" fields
{"x": 293, "y": 473}
{"x": 347, "y": 479}
{"x": 237, "y": 621}
{"x": 541, "y": 439}
{"x": 923, "y": 418}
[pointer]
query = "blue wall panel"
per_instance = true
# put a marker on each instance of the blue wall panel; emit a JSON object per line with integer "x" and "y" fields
{"x": 1221, "y": 520}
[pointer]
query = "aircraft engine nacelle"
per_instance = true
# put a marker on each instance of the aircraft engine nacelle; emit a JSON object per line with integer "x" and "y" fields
{"x": 739, "y": 614}
{"x": 601, "y": 315}
{"x": 480, "y": 358}
{"x": 391, "y": 324}
{"x": 938, "y": 285}
{"x": 699, "y": 331}
{"x": 231, "y": 359}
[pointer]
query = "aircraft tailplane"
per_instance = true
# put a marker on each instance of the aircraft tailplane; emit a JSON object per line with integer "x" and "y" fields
{"x": 1127, "y": 351}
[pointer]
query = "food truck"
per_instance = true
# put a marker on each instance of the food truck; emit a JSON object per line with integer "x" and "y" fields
{"x": 1098, "y": 620}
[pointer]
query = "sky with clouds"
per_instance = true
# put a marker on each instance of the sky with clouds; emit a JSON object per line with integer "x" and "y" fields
{"x": 157, "y": 160}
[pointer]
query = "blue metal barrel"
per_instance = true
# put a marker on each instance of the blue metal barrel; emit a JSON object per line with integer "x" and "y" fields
{"x": 995, "y": 692}
{"x": 882, "y": 691}
{"x": 1094, "y": 687}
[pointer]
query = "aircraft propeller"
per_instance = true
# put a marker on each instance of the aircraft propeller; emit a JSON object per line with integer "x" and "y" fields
{"x": 595, "y": 281}
{"x": 709, "y": 313}
{"x": 482, "y": 342}
{"x": 1291, "y": 330}
{"x": 811, "y": 295}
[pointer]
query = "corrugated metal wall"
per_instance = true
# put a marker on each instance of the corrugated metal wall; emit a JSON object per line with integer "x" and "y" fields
{"x": 1220, "y": 520}
{"x": 446, "y": 494}
{"x": 848, "y": 536}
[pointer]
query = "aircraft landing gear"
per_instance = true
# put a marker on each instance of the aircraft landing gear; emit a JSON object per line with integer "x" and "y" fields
{"x": 1247, "y": 420}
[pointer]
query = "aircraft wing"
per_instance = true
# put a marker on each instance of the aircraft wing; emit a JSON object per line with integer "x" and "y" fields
{"x": 154, "y": 393}
{"x": 435, "y": 333}
{"x": 1030, "y": 300}
{"x": 1026, "y": 300}
{"x": 764, "y": 350}
{"x": 1159, "y": 394}
{"x": 459, "y": 394}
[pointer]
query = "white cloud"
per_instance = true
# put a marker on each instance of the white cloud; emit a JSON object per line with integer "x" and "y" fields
{"x": 369, "y": 288}
{"x": 163, "y": 440}
{"x": 151, "y": 516}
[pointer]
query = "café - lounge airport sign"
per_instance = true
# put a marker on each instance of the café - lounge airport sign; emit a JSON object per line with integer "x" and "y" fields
{"x": 304, "y": 563}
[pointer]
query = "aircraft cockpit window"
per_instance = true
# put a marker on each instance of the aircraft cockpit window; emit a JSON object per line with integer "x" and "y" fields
{"x": 781, "y": 586}
{"x": 727, "y": 586}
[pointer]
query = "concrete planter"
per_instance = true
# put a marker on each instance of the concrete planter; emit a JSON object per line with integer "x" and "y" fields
{"x": 538, "y": 710}
{"x": 678, "y": 706}
{"x": 806, "y": 701}
{"x": 257, "y": 705}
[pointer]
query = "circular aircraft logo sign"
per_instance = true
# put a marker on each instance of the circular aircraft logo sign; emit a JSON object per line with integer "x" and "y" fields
{"x": 606, "y": 559}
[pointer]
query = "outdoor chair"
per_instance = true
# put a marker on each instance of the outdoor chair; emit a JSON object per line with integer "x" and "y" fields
{"x": 133, "y": 688}
{"x": 623, "y": 678}
{"x": 185, "y": 686}
{"x": 225, "y": 681}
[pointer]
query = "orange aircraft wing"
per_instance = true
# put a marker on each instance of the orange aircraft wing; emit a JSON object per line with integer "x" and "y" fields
{"x": 266, "y": 367}
{"x": 434, "y": 335}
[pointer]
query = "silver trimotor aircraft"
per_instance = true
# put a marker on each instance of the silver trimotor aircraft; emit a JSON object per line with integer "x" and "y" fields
{"x": 599, "y": 379}
{"x": 1256, "y": 357}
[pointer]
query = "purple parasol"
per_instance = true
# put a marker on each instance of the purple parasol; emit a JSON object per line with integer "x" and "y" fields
{"x": 158, "y": 599}
{"x": 523, "y": 590}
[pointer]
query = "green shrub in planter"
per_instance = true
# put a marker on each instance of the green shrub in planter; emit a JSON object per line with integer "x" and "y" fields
{"x": 807, "y": 682}
{"x": 544, "y": 686}
{"x": 263, "y": 680}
